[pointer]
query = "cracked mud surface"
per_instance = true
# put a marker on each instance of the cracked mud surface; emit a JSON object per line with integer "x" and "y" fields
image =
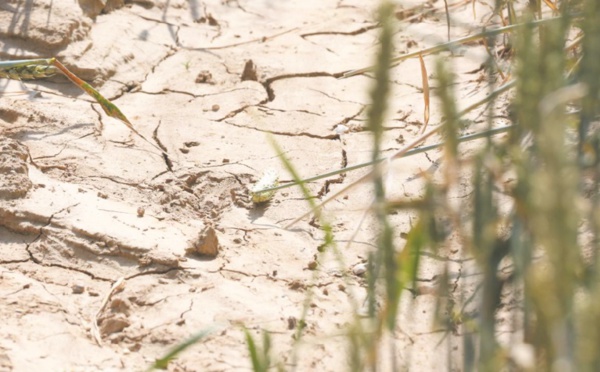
{"x": 84, "y": 203}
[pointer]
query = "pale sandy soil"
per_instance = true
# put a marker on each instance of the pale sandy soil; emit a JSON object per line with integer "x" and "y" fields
{"x": 84, "y": 203}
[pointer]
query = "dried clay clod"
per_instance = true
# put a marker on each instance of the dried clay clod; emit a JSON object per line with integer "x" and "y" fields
{"x": 14, "y": 178}
{"x": 93, "y": 8}
{"x": 249, "y": 72}
{"x": 207, "y": 243}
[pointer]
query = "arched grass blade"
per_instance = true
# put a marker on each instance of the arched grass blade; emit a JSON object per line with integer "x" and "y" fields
{"x": 109, "y": 108}
{"x": 46, "y": 67}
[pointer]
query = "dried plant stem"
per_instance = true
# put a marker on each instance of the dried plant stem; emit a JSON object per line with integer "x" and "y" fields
{"x": 116, "y": 287}
{"x": 453, "y": 44}
{"x": 399, "y": 154}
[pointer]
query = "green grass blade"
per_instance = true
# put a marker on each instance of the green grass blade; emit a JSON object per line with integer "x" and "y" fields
{"x": 256, "y": 363}
{"x": 109, "y": 108}
{"x": 163, "y": 362}
{"x": 259, "y": 357}
{"x": 41, "y": 68}
{"x": 418, "y": 150}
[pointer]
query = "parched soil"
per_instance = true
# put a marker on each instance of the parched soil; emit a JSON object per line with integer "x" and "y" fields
{"x": 108, "y": 258}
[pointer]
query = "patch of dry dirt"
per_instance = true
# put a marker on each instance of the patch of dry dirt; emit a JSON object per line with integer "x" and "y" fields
{"x": 84, "y": 203}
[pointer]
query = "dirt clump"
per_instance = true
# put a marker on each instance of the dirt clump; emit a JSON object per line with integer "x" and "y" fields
{"x": 15, "y": 182}
{"x": 207, "y": 243}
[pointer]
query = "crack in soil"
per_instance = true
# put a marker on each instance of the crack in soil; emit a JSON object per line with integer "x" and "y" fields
{"x": 335, "y": 98}
{"x": 62, "y": 149}
{"x": 445, "y": 259}
{"x": 24, "y": 287}
{"x": 129, "y": 87}
{"x": 52, "y": 156}
{"x": 153, "y": 272}
{"x": 188, "y": 309}
{"x": 271, "y": 97}
{"x": 238, "y": 110}
{"x": 101, "y": 127}
{"x": 340, "y": 179}
{"x": 171, "y": 26}
{"x": 293, "y": 284}
{"x": 278, "y": 133}
{"x": 237, "y": 3}
{"x": 137, "y": 185}
{"x": 348, "y": 119}
{"x": 271, "y": 93}
{"x": 266, "y": 109}
{"x": 166, "y": 91}
{"x": 155, "y": 137}
{"x": 39, "y": 262}
{"x": 14, "y": 261}
{"x": 212, "y": 21}
{"x": 256, "y": 40}
{"x": 359, "y": 31}
{"x": 154, "y": 20}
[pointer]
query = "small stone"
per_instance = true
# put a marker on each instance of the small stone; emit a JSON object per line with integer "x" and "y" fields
{"x": 207, "y": 243}
{"x": 77, "y": 289}
{"x": 291, "y": 322}
{"x": 119, "y": 305}
{"x": 140, "y": 212}
{"x": 209, "y": 19}
{"x": 114, "y": 324}
{"x": 360, "y": 269}
{"x": 312, "y": 265}
{"x": 249, "y": 71}
{"x": 15, "y": 182}
{"x": 296, "y": 285}
{"x": 135, "y": 347}
{"x": 215, "y": 108}
{"x": 341, "y": 129}
{"x": 204, "y": 77}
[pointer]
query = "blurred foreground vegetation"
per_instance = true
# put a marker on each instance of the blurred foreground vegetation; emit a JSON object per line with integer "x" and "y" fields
{"x": 531, "y": 222}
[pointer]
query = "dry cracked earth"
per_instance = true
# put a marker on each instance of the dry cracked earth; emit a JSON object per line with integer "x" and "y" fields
{"x": 85, "y": 204}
